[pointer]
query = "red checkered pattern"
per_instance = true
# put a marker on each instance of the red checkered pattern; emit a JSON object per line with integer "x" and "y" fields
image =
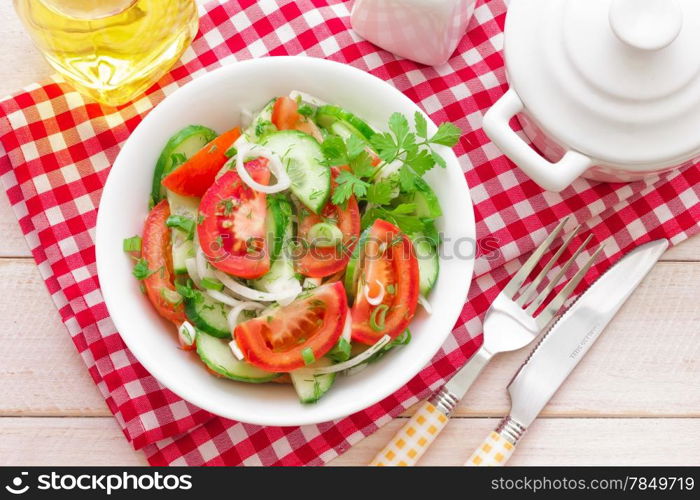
{"x": 59, "y": 148}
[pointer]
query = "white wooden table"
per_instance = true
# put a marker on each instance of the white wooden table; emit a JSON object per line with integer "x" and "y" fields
{"x": 635, "y": 399}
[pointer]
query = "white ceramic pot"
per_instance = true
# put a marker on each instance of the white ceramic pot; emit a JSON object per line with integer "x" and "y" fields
{"x": 426, "y": 31}
{"x": 605, "y": 89}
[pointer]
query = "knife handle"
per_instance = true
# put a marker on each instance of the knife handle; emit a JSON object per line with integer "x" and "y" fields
{"x": 498, "y": 446}
{"x": 414, "y": 438}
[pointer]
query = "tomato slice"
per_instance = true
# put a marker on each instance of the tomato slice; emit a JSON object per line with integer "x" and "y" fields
{"x": 319, "y": 262}
{"x": 194, "y": 177}
{"x": 155, "y": 249}
{"x": 285, "y": 116}
{"x": 389, "y": 259}
{"x": 232, "y": 227}
{"x": 315, "y": 321}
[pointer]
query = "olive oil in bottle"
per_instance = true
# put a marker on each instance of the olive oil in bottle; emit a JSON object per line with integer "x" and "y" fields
{"x": 111, "y": 50}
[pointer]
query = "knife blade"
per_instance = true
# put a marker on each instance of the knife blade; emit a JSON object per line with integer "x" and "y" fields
{"x": 569, "y": 339}
{"x": 565, "y": 343}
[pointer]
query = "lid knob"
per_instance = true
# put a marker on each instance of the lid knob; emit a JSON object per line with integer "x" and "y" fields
{"x": 646, "y": 24}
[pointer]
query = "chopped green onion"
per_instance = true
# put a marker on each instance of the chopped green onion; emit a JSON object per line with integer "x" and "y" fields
{"x": 231, "y": 152}
{"x": 184, "y": 224}
{"x": 141, "y": 270}
{"x": 391, "y": 289}
{"x": 324, "y": 234}
{"x": 378, "y": 317}
{"x": 212, "y": 284}
{"x": 308, "y": 355}
{"x": 341, "y": 351}
{"x": 132, "y": 244}
{"x": 402, "y": 339}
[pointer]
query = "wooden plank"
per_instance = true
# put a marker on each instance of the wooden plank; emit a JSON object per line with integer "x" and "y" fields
{"x": 571, "y": 441}
{"x": 38, "y": 361}
{"x": 65, "y": 441}
{"x": 646, "y": 363}
{"x": 98, "y": 441}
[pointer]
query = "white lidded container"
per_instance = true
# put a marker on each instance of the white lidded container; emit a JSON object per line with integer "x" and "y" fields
{"x": 607, "y": 89}
{"x": 425, "y": 31}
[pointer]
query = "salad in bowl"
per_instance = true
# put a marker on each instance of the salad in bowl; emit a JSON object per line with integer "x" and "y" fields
{"x": 295, "y": 247}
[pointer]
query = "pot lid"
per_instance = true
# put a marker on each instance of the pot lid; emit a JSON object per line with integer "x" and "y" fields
{"x": 618, "y": 80}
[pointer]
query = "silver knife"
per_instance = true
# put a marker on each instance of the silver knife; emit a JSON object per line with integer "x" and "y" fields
{"x": 560, "y": 350}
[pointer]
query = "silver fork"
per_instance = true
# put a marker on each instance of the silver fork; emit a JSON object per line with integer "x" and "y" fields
{"x": 511, "y": 323}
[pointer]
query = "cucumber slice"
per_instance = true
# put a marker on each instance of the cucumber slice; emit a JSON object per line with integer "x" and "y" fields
{"x": 217, "y": 355}
{"x": 311, "y": 388}
{"x": 282, "y": 268}
{"x": 428, "y": 263}
{"x": 425, "y": 199}
{"x": 303, "y": 159}
{"x": 427, "y": 203}
{"x": 208, "y": 315}
{"x": 352, "y": 272}
{"x": 279, "y": 211}
{"x": 186, "y": 142}
{"x": 329, "y": 114}
{"x": 262, "y": 123}
{"x": 182, "y": 244}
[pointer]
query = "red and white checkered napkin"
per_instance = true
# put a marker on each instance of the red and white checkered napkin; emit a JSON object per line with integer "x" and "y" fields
{"x": 60, "y": 147}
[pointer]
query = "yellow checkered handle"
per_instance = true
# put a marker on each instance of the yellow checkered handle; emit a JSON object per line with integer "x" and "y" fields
{"x": 495, "y": 450}
{"x": 499, "y": 445}
{"x": 409, "y": 444}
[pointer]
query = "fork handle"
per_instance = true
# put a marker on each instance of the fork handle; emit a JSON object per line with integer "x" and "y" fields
{"x": 414, "y": 438}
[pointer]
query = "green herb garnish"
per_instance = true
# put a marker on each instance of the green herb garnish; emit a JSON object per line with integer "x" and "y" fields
{"x": 141, "y": 271}
{"x": 184, "y": 224}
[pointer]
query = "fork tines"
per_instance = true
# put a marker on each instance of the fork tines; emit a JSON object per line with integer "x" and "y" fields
{"x": 515, "y": 285}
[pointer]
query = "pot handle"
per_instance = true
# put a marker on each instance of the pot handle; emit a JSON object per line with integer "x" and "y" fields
{"x": 550, "y": 176}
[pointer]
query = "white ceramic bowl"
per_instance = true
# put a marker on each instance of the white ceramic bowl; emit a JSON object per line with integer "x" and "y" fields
{"x": 214, "y": 100}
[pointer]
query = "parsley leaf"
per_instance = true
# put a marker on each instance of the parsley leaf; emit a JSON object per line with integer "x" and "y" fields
{"x": 385, "y": 146}
{"x": 398, "y": 124}
{"x": 348, "y": 185}
{"x": 421, "y": 161}
{"x": 333, "y": 148}
{"x": 361, "y": 165}
{"x": 438, "y": 159}
{"x": 421, "y": 125}
{"x": 141, "y": 271}
{"x": 305, "y": 110}
{"x": 447, "y": 135}
{"x": 407, "y": 179}
{"x": 355, "y": 146}
{"x": 380, "y": 193}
